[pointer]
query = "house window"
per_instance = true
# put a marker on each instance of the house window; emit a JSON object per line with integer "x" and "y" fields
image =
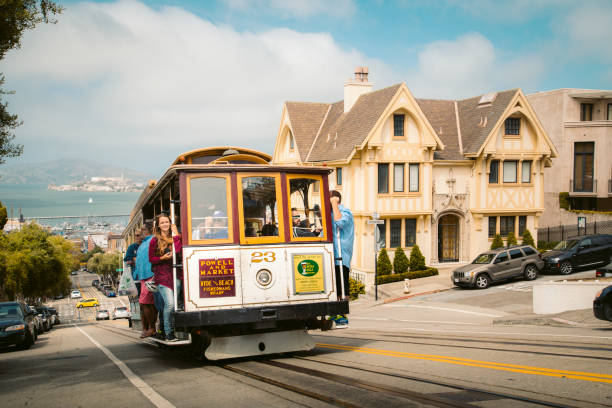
{"x": 494, "y": 172}
{"x": 383, "y": 178}
{"x": 513, "y": 126}
{"x": 510, "y": 172}
{"x": 506, "y": 224}
{"x": 586, "y": 111}
{"x": 395, "y": 232}
{"x": 398, "y": 125}
{"x": 583, "y": 166}
{"x": 526, "y": 172}
{"x": 338, "y": 176}
{"x": 414, "y": 178}
{"x": 522, "y": 224}
{"x": 291, "y": 141}
{"x": 410, "y": 238}
{"x": 398, "y": 178}
{"x": 492, "y": 226}
{"x": 609, "y": 115}
{"x": 382, "y": 234}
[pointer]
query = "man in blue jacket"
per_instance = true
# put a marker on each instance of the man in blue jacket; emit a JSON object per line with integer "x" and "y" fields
{"x": 342, "y": 222}
{"x": 130, "y": 258}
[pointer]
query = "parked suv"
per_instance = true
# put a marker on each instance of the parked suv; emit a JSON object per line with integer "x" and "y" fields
{"x": 577, "y": 252}
{"x": 499, "y": 264}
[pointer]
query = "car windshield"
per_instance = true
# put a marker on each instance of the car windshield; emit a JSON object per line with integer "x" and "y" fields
{"x": 567, "y": 244}
{"x": 484, "y": 259}
{"x": 120, "y": 309}
{"x": 10, "y": 312}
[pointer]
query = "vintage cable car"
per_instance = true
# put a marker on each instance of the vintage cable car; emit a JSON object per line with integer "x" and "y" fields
{"x": 257, "y": 258}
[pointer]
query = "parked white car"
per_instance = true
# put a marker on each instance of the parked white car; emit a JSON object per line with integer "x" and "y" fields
{"x": 75, "y": 294}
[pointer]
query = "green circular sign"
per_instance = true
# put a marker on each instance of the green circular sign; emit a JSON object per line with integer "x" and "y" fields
{"x": 308, "y": 267}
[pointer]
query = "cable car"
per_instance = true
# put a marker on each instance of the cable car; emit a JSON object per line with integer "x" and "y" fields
{"x": 257, "y": 257}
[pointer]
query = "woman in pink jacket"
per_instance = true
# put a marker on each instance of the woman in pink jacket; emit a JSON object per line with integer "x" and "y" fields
{"x": 160, "y": 254}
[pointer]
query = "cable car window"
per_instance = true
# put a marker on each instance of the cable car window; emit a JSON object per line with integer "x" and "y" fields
{"x": 259, "y": 207}
{"x": 306, "y": 208}
{"x": 209, "y": 208}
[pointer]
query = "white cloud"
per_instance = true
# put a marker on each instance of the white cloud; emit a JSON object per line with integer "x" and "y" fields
{"x": 468, "y": 66}
{"x": 295, "y": 8}
{"x": 590, "y": 29}
{"x": 125, "y": 83}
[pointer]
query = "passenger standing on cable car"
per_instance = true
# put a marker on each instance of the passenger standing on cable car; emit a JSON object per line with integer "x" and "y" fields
{"x": 144, "y": 273}
{"x": 160, "y": 255}
{"x": 130, "y": 258}
{"x": 342, "y": 220}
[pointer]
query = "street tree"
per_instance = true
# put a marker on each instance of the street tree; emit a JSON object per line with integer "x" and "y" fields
{"x": 33, "y": 264}
{"x": 3, "y": 216}
{"x": 18, "y": 16}
{"x": 498, "y": 242}
{"x": 417, "y": 260}
{"x": 400, "y": 261}
{"x": 384, "y": 263}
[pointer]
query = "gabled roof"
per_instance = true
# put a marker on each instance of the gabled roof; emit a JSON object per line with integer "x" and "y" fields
{"x": 442, "y": 117}
{"x": 471, "y": 115}
{"x": 324, "y": 132}
{"x": 305, "y": 118}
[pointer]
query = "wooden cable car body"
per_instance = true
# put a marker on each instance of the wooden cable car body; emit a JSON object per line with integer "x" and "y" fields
{"x": 257, "y": 258}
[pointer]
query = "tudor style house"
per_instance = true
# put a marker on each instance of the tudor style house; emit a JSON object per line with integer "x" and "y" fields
{"x": 444, "y": 174}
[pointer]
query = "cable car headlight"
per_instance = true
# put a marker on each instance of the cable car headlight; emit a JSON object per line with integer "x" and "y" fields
{"x": 264, "y": 277}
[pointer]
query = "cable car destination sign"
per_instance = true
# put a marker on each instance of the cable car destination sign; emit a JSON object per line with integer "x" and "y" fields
{"x": 217, "y": 278}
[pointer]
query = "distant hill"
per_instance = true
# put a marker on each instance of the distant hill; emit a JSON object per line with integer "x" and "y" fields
{"x": 65, "y": 171}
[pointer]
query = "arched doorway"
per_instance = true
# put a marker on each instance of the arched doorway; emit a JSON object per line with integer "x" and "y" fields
{"x": 448, "y": 238}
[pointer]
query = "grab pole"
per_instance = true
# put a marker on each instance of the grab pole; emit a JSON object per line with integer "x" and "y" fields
{"x": 175, "y": 294}
{"x": 341, "y": 264}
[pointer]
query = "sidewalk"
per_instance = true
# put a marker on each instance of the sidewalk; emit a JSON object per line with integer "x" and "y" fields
{"x": 392, "y": 292}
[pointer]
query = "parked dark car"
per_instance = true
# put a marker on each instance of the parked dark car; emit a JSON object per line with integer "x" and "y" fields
{"x": 17, "y": 325}
{"x": 39, "y": 319}
{"x": 578, "y": 252}
{"x": 95, "y": 283}
{"x": 499, "y": 264}
{"x": 52, "y": 313}
{"x": 602, "y": 304}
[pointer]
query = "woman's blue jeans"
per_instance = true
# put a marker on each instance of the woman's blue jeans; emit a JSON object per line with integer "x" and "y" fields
{"x": 168, "y": 296}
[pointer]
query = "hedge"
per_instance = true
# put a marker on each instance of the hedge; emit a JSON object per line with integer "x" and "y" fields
{"x": 407, "y": 275}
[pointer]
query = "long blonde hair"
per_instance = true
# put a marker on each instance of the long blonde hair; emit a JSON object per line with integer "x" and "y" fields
{"x": 162, "y": 241}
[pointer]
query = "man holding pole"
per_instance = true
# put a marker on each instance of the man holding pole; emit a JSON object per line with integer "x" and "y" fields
{"x": 344, "y": 235}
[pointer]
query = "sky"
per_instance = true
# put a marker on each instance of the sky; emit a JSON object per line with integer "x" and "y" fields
{"x": 136, "y": 83}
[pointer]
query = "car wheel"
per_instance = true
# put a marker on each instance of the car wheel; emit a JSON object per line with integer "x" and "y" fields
{"x": 27, "y": 342}
{"x": 608, "y": 311}
{"x": 531, "y": 272}
{"x": 566, "y": 268}
{"x": 482, "y": 281}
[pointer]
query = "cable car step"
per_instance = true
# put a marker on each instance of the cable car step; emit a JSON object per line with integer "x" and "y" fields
{"x": 180, "y": 342}
{"x": 259, "y": 344}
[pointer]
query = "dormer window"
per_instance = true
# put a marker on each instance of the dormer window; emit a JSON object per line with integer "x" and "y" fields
{"x": 398, "y": 125}
{"x": 513, "y": 126}
{"x": 291, "y": 141}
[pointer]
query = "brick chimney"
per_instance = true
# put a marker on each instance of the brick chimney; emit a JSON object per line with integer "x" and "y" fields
{"x": 356, "y": 87}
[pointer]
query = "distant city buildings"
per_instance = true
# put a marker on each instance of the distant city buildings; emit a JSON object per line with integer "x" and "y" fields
{"x": 106, "y": 184}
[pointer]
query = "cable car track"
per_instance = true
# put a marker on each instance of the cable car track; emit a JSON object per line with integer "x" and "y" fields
{"x": 353, "y": 382}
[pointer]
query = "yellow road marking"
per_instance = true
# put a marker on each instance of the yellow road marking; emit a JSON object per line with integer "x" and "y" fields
{"x": 577, "y": 375}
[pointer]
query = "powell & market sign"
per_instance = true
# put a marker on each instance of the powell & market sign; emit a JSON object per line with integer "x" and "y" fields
{"x": 217, "y": 278}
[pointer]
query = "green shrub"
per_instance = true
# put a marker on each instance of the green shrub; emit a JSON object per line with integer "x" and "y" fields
{"x": 400, "y": 261}
{"x": 356, "y": 288}
{"x": 417, "y": 260}
{"x": 544, "y": 245}
{"x": 406, "y": 275}
{"x": 497, "y": 242}
{"x": 564, "y": 201}
{"x": 527, "y": 238}
{"x": 511, "y": 239}
{"x": 384, "y": 263}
